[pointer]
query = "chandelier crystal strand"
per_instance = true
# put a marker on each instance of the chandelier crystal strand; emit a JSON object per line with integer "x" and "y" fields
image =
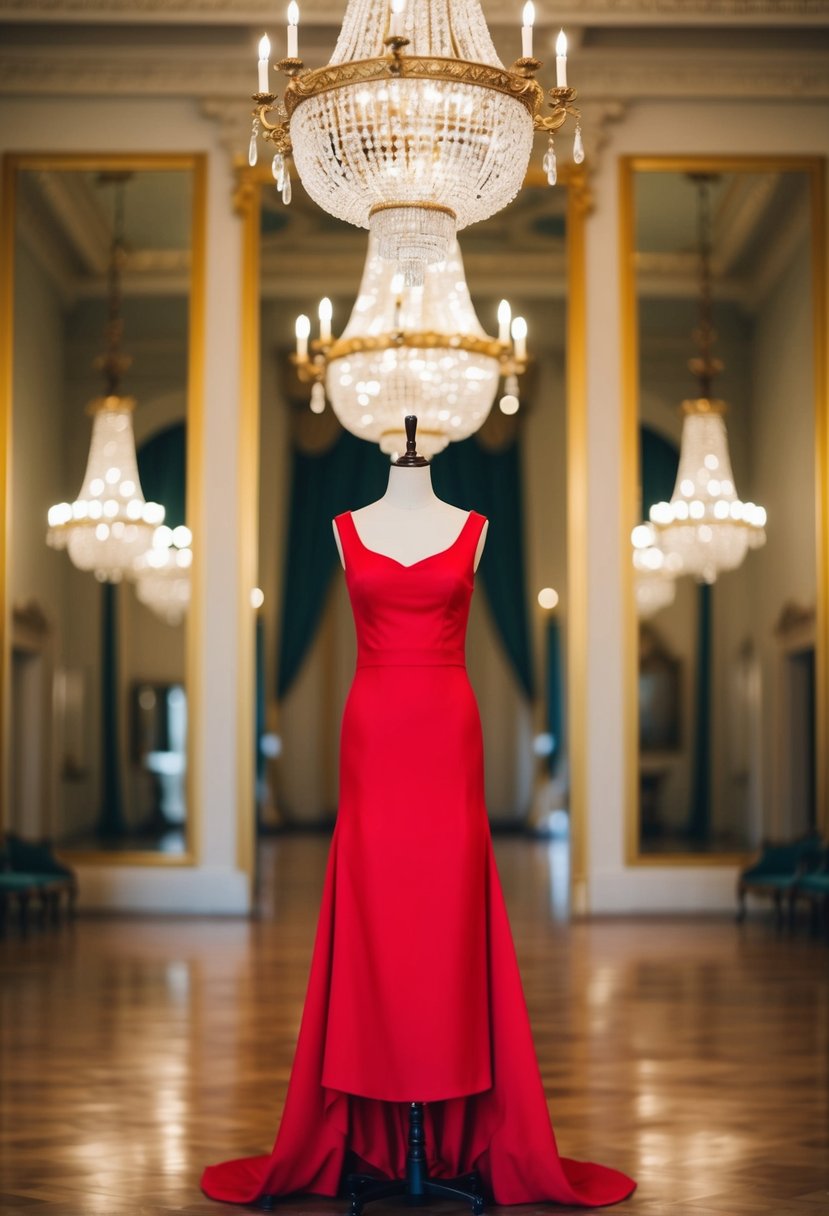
{"x": 415, "y": 129}
{"x": 549, "y": 163}
{"x": 578, "y": 146}
{"x": 109, "y": 524}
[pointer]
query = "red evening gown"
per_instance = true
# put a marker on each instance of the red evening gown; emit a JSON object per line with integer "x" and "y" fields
{"x": 414, "y": 991}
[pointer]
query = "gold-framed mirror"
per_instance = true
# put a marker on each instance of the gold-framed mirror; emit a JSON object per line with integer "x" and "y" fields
{"x": 727, "y": 667}
{"x": 102, "y": 338}
{"x": 293, "y": 259}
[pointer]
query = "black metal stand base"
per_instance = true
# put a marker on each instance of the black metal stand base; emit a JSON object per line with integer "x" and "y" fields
{"x": 417, "y": 1187}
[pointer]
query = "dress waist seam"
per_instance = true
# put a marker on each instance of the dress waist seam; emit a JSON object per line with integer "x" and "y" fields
{"x": 449, "y": 657}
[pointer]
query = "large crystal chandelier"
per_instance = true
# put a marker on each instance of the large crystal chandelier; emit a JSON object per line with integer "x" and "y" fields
{"x": 417, "y": 350}
{"x": 706, "y": 525}
{"x": 109, "y": 524}
{"x": 415, "y": 128}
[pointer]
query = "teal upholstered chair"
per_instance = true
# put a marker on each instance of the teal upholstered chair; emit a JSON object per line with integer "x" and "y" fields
{"x": 777, "y": 871}
{"x": 29, "y": 873}
{"x": 813, "y": 886}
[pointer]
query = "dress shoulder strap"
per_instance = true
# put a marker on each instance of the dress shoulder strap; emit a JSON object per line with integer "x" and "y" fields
{"x": 345, "y": 530}
{"x": 473, "y": 530}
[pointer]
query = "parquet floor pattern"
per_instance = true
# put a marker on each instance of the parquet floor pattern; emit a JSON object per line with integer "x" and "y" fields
{"x": 687, "y": 1051}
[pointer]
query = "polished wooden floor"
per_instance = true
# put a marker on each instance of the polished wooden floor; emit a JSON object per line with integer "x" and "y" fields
{"x": 689, "y": 1052}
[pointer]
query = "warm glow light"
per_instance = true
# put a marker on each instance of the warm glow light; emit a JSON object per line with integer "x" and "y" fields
{"x": 548, "y": 597}
{"x": 326, "y": 311}
{"x": 642, "y": 536}
{"x": 529, "y": 13}
{"x": 519, "y": 337}
{"x": 504, "y": 312}
{"x": 264, "y": 47}
{"x": 561, "y": 43}
{"x": 293, "y": 13}
{"x": 257, "y": 597}
{"x": 303, "y": 327}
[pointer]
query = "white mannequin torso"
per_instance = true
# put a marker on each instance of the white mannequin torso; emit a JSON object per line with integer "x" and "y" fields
{"x": 410, "y": 522}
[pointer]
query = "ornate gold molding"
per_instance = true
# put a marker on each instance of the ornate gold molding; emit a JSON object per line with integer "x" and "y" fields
{"x": 323, "y": 12}
{"x": 305, "y": 84}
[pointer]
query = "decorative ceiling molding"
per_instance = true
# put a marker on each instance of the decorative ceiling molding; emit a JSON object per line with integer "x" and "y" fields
{"x": 604, "y": 76}
{"x": 740, "y": 213}
{"x": 675, "y": 276}
{"x": 778, "y": 254}
{"x": 77, "y": 213}
{"x": 591, "y": 12}
{"x": 37, "y": 235}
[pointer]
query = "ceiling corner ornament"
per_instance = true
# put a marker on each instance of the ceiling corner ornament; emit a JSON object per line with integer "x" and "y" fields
{"x": 412, "y": 350}
{"x": 414, "y": 129}
{"x": 706, "y": 525}
{"x": 109, "y": 525}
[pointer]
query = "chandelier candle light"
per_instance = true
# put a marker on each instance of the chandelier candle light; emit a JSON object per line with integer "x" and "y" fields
{"x": 705, "y": 524}
{"x": 109, "y": 525}
{"x": 415, "y": 128}
{"x": 418, "y": 350}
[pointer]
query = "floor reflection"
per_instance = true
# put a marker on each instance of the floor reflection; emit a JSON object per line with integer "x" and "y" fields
{"x": 691, "y": 1053}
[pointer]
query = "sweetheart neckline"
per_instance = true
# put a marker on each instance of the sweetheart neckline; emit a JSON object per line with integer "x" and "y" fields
{"x": 410, "y": 565}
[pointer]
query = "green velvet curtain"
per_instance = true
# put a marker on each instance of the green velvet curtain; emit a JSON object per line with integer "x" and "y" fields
{"x": 489, "y": 481}
{"x": 352, "y": 473}
{"x": 554, "y": 691}
{"x": 659, "y": 460}
{"x": 345, "y": 476}
{"x": 699, "y": 817}
{"x": 111, "y": 815}
{"x": 162, "y": 469}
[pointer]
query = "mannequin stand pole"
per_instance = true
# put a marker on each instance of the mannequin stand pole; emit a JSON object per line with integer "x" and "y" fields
{"x": 417, "y": 1186}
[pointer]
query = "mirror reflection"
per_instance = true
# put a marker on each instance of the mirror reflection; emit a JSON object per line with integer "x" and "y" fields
{"x": 725, "y": 553}
{"x": 512, "y": 468}
{"x": 102, "y": 263}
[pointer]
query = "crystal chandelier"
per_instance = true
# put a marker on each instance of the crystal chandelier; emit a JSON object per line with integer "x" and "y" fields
{"x": 705, "y": 525}
{"x": 415, "y": 128}
{"x": 654, "y": 572}
{"x": 163, "y": 574}
{"x": 417, "y": 350}
{"x": 109, "y": 524}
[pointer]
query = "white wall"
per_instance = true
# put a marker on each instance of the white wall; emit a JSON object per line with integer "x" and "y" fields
{"x": 658, "y": 129}
{"x": 783, "y": 572}
{"x": 36, "y": 575}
